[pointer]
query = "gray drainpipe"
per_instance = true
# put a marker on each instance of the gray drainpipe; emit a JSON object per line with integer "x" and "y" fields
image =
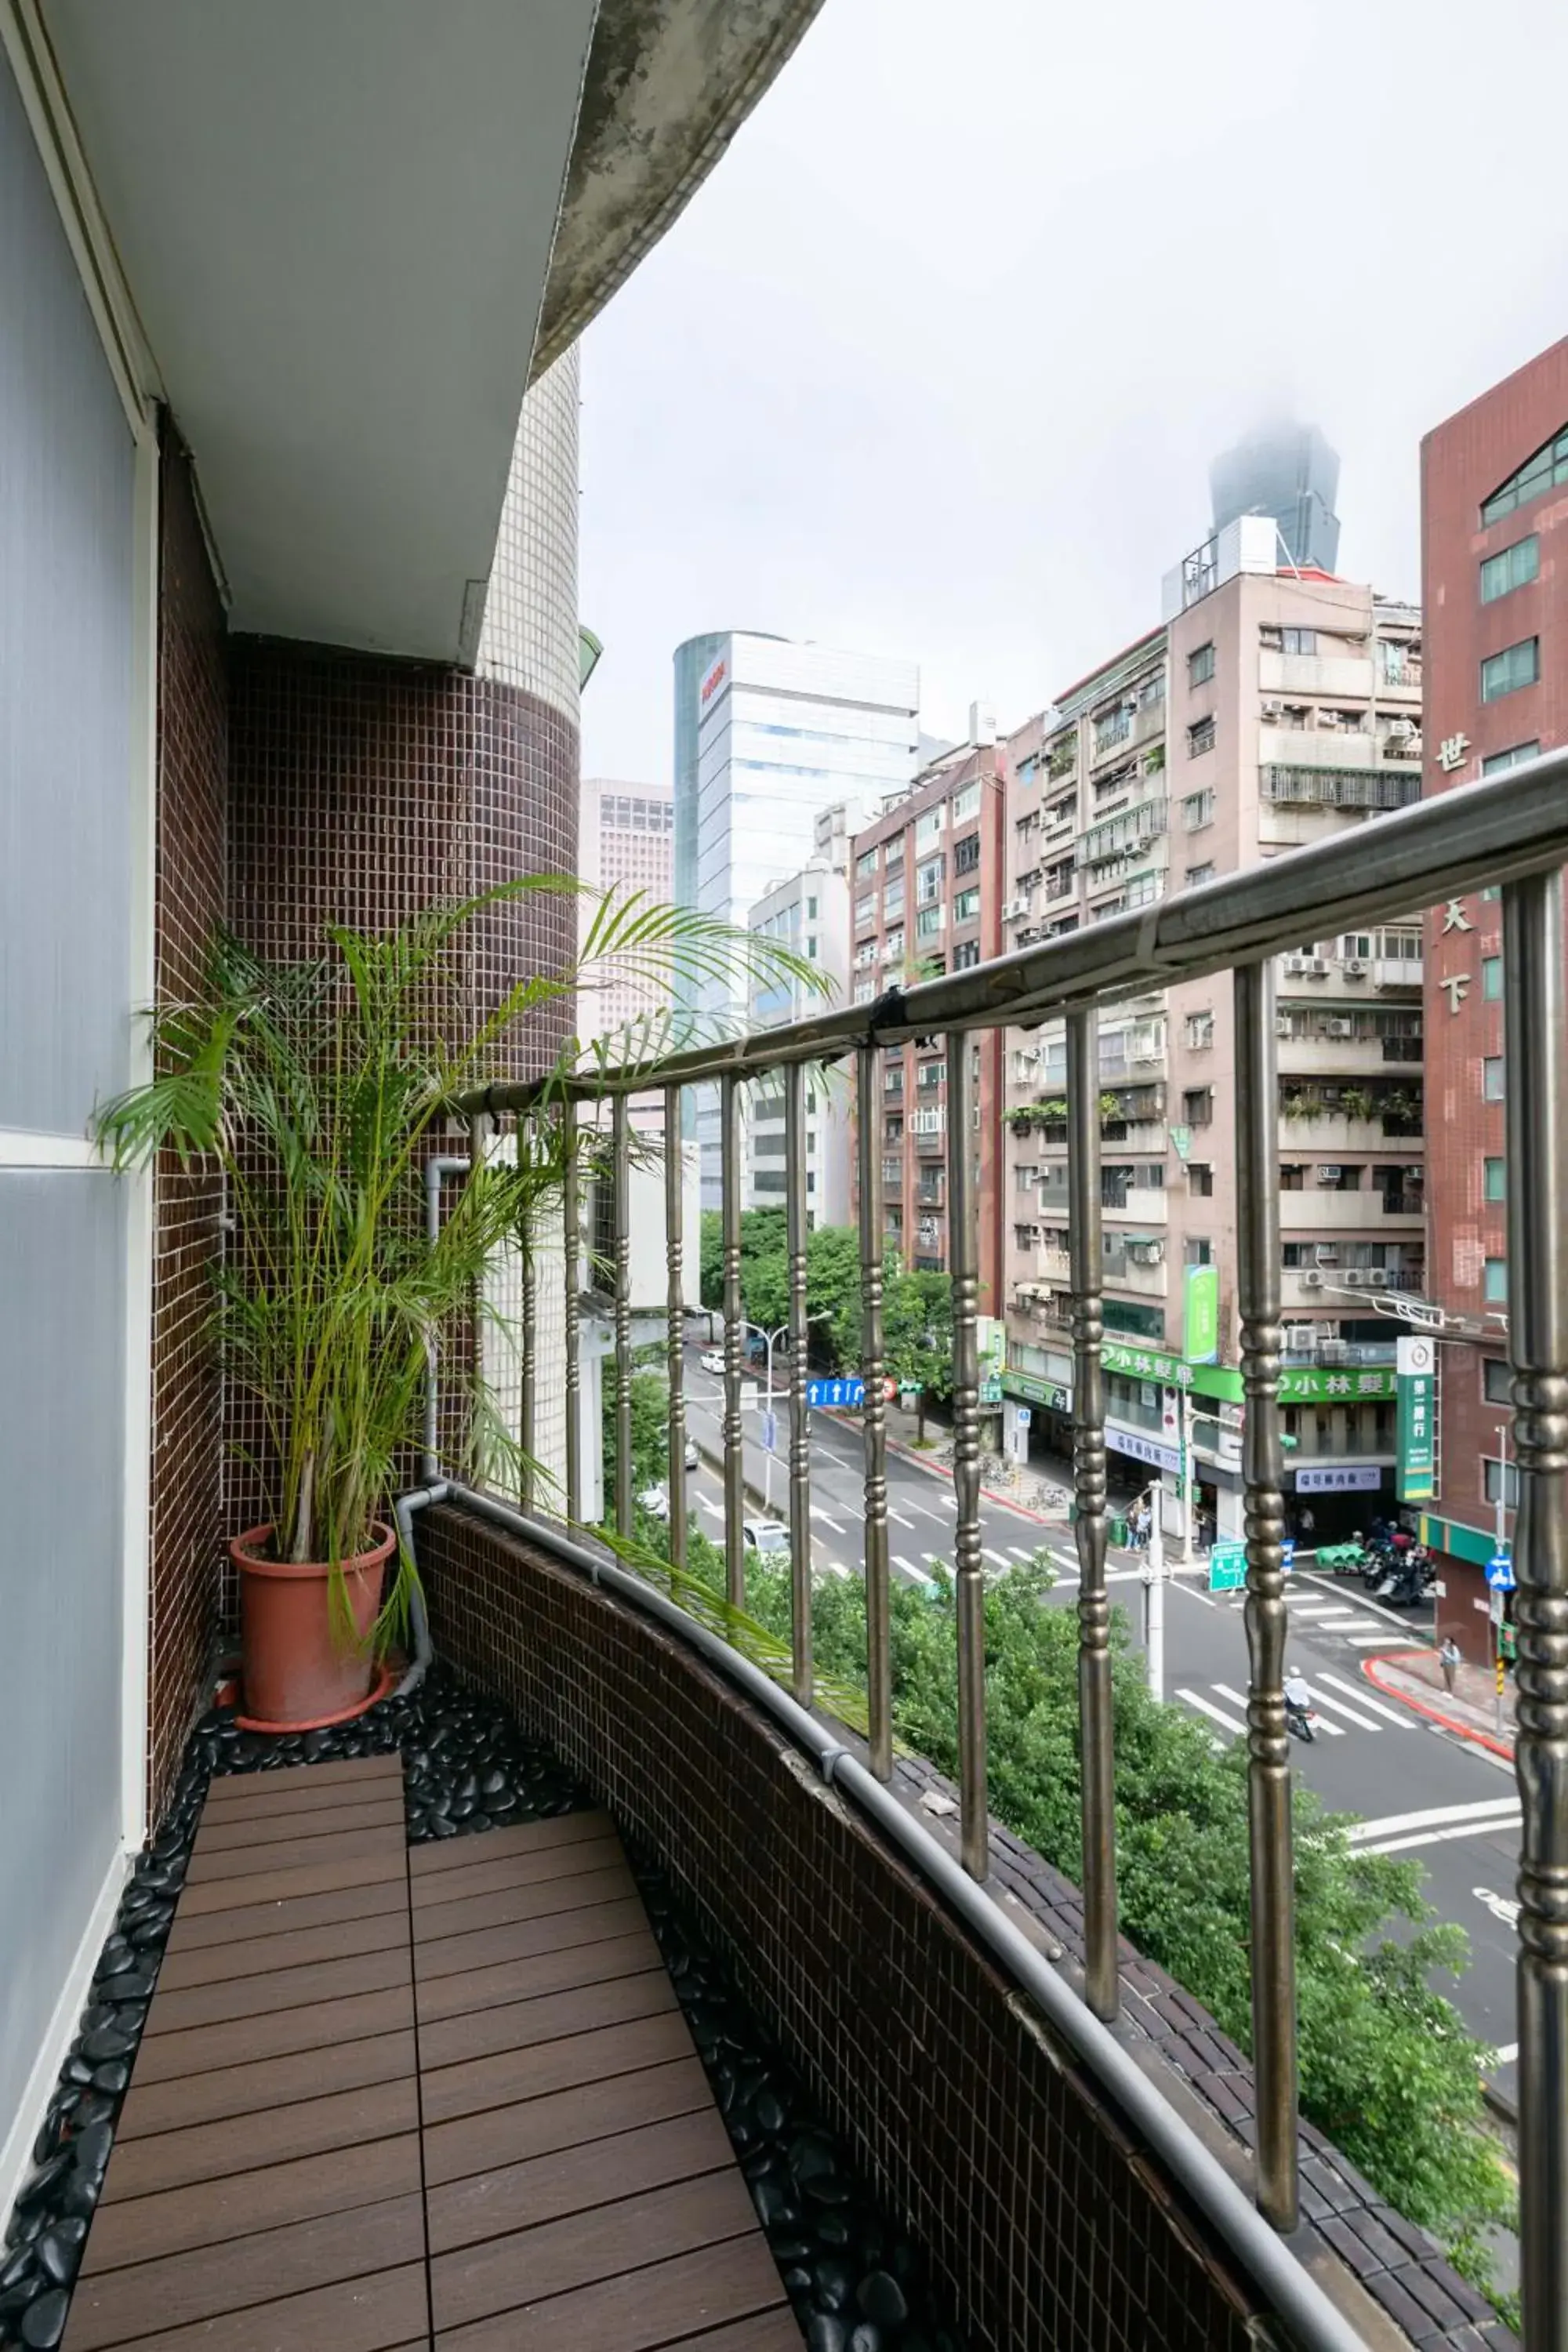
{"x": 443, "y": 1165}
{"x": 1314, "y": 2320}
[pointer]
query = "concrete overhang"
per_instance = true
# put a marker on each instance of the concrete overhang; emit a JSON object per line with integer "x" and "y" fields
{"x": 353, "y": 229}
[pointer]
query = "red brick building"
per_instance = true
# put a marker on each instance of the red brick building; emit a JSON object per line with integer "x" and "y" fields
{"x": 926, "y": 881}
{"x": 1494, "y": 506}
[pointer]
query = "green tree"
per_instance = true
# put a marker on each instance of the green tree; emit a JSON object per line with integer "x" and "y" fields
{"x": 833, "y": 1292}
{"x": 710, "y": 1261}
{"x": 1388, "y": 2069}
{"x": 916, "y": 1335}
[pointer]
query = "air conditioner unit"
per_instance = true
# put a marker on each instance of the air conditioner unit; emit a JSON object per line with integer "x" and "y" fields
{"x": 1311, "y": 1279}
{"x": 1402, "y": 727}
{"x": 1327, "y": 1173}
{"x": 1316, "y": 967}
{"x": 1328, "y": 1253}
{"x": 1354, "y": 1279}
{"x": 1271, "y": 709}
{"x": 1339, "y": 1029}
{"x": 1378, "y": 1279}
{"x": 1282, "y": 1027}
{"x": 1354, "y": 968}
{"x": 1297, "y": 966}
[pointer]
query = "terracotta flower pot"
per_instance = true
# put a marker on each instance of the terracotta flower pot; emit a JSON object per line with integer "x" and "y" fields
{"x": 298, "y": 1671}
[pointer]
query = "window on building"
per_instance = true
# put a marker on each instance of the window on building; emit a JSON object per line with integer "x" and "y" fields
{"x": 1290, "y": 641}
{"x": 928, "y": 922}
{"x": 965, "y": 804}
{"x": 1492, "y": 1078}
{"x": 1197, "y": 874}
{"x": 1199, "y": 1031}
{"x": 1491, "y": 978}
{"x": 1293, "y": 1176}
{"x": 865, "y": 910}
{"x": 1200, "y": 666}
{"x": 1197, "y": 810}
{"x": 1501, "y": 1481}
{"x": 966, "y": 907}
{"x": 811, "y": 955}
{"x": 1511, "y": 567}
{"x": 1200, "y": 737}
{"x": 1495, "y": 1180}
{"x": 1494, "y": 1287}
{"x": 966, "y": 954}
{"x": 929, "y": 828}
{"x": 966, "y": 854}
{"x": 1200, "y": 1179}
{"x": 1497, "y": 1381}
{"x": 1498, "y": 763}
{"x": 1143, "y": 889}
{"x": 1197, "y": 1106}
{"x": 863, "y": 991}
{"x": 1516, "y": 665}
{"x": 928, "y": 879}
{"x": 811, "y": 910}
{"x": 1197, "y": 1250}
{"x": 866, "y": 863}
{"x": 1549, "y": 465}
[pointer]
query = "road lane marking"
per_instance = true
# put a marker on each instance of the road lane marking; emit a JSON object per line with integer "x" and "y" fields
{"x": 709, "y": 1505}
{"x": 1403, "y": 1721}
{"x": 900, "y": 1517}
{"x": 1218, "y": 1714}
{"x": 1431, "y": 1816}
{"x": 1441, "y": 1837}
{"x": 1507, "y": 2051}
{"x": 1240, "y": 1699}
{"x": 995, "y": 1558}
{"x": 1338, "y": 1706}
{"x": 1330, "y": 1616}
{"x": 909, "y": 1567}
{"x": 819, "y": 1513}
{"x": 1018, "y": 1553}
{"x": 1366, "y": 1641}
{"x": 924, "y": 1509}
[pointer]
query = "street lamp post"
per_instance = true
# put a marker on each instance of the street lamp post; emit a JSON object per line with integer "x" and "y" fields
{"x": 770, "y": 1341}
{"x": 1155, "y": 1596}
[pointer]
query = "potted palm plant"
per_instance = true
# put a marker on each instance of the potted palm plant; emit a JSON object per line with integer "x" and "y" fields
{"x": 318, "y": 1090}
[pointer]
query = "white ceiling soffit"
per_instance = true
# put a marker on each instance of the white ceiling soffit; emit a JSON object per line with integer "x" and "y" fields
{"x": 335, "y": 217}
{"x": 669, "y": 83}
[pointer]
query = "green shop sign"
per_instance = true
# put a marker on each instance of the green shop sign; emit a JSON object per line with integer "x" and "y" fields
{"x": 1200, "y": 1330}
{"x": 1308, "y": 1384}
{"x": 1416, "y": 1420}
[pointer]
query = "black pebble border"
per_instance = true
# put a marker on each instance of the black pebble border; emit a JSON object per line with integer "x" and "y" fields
{"x": 856, "y": 2284}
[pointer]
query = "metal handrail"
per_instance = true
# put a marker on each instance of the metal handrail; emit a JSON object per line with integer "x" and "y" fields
{"x": 1510, "y": 830}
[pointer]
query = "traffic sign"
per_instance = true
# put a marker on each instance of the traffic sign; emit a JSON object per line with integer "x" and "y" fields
{"x": 1500, "y": 1572}
{"x": 1022, "y": 1415}
{"x": 830, "y": 1393}
{"x": 1228, "y": 1567}
{"x": 1288, "y": 1551}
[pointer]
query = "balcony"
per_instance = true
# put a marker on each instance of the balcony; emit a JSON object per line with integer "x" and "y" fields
{"x": 1324, "y": 1056}
{"x": 1321, "y": 1208}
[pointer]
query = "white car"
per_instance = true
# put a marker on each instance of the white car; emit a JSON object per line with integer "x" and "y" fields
{"x": 766, "y": 1536}
{"x": 693, "y": 1459}
{"x": 712, "y": 1362}
{"x": 655, "y": 1499}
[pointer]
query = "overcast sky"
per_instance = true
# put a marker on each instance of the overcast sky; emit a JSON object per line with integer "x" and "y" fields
{"x": 935, "y": 363}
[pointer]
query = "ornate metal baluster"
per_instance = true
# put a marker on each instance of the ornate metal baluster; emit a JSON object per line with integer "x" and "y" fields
{"x": 1096, "y": 1728}
{"x": 878, "y": 1649}
{"x": 799, "y": 1417}
{"x": 675, "y": 1319}
{"x": 735, "y": 1459}
{"x": 527, "y": 1414}
{"x": 963, "y": 1270}
{"x": 572, "y": 1246}
{"x": 1535, "y": 1008}
{"x": 1269, "y": 1768}
{"x": 621, "y": 1171}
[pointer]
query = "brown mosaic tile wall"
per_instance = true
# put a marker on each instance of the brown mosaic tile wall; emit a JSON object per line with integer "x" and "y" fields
{"x": 1048, "y": 2231}
{"x": 186, "y": 1500}
{"x": 363, "y": 791}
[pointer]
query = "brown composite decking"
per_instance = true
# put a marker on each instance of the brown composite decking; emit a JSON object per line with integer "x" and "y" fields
{"x": 390, "y": 2097}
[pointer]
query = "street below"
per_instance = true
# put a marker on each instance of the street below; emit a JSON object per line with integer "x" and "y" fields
{"x": 1420, "y": 1791}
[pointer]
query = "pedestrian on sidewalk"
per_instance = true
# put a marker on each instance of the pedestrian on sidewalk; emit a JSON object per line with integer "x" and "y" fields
{"x": 1449, "y": 1659}
{"x": 1306, "y": 1526}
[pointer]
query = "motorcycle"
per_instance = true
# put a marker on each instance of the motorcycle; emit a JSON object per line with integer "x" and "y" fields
{"x": 1301, "y": 1722}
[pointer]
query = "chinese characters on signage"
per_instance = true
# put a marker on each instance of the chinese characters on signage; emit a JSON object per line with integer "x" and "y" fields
{"x": 1452, "y": 752}
{"x": 1416, "y": 1369}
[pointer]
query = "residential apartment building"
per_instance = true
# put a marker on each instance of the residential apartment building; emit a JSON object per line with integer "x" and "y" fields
{"x": 1269, "y": 709}
{"x": 1494, "y": 494}
{"x": 767, "y": 734}
{"x": 926, "y": 884}
{"x": 627, "y": 833}
{"x": 809, "y": 913}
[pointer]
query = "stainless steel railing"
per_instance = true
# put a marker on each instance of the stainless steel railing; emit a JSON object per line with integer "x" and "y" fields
{"x": 1511, "y": 831}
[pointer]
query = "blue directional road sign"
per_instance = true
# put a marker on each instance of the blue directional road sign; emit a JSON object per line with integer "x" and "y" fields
{"x": 1500, "y": 1572}
{"x": 835, "y": 1392}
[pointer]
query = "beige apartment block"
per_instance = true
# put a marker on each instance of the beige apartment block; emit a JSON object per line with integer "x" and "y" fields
{"x": 1271, "y": 708}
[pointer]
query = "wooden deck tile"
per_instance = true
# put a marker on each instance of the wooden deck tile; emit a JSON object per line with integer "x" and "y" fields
{"x": 555, "y": 2257}
{"x": 641, "y": 2309}
{"x": 388, "y": 2100}
{"x": 115, "y": 2307}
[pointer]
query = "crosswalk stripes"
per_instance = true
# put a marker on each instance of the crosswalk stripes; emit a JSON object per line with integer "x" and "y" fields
{"x": 1402, "y": 1721}
{"x": 1206, "y": 1706}
{"x": 1365, "y": 1713}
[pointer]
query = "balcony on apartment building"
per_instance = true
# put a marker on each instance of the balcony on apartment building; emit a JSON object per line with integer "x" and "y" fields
{"x": 1319, "y": 1205}
{"x": 1341, "y": 1045}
